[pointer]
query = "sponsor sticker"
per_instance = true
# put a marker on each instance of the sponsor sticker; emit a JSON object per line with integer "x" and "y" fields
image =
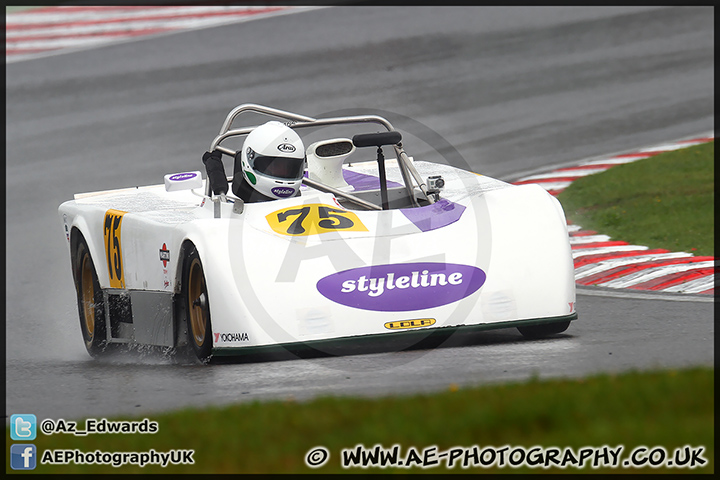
{"x": 179, "y": 177}
{"x": 283, "y": 192}
{"x": 402, "y": 287}
{"x": 67, "y": 230}
{"x": 165, "y": 258}
{"x": 232, "y": 337}
{"x": 403, "y": 324}
{"x": 164, "y": 255}
{"x": 286, "y": 148}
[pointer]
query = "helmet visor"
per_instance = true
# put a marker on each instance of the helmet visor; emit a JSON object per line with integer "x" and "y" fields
{"x": 283, "y": 168}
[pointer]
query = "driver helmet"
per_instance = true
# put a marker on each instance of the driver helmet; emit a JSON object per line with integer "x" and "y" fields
{"x": 273, "y": 160}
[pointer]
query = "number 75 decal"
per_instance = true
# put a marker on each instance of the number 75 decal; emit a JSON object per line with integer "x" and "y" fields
{"x": 113, "y": 250}
{"x": 314, "y": 219}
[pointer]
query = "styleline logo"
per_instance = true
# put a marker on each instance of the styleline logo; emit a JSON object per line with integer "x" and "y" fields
{"x": 179, "y": 177}
{"x": 23, "y": 426}
{"x": 402, "y": 287}
{"x": 283, "y": 191}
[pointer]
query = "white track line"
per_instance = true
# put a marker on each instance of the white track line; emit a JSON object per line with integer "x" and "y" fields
{"x": 581, "y": 172}
{"x": 605, "y": 265}
{"x": 110, "y": 13}
{"x": 693, "y": 286}
{"x": 653, "y": 295}
{"x": 615, "y": 161}
{"x": 605, "y": 250}
{"x": 588, "y": 239}
{"x": 653, "y": 273}
{"x": 553, "y": 185}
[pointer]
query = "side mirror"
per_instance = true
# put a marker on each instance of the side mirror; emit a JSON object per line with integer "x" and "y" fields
{"x": 183, "y": 181}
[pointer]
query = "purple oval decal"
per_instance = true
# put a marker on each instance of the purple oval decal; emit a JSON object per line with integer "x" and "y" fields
{"x": 179, "y": 177}
{"x": 402, "y": 287}
{"x": 283, "y": 191}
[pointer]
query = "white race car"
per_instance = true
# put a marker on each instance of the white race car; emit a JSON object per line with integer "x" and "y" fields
{"x": 381, "y": 251}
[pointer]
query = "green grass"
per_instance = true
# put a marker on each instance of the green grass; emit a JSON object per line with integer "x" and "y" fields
{"x": 665, "y": 201}
{"x": 669, "y": 409}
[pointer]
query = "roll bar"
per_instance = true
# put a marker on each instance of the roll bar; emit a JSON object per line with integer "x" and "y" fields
{"x": 295, "y": 121}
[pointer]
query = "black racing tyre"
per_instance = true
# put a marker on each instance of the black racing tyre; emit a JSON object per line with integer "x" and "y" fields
{"x": 544, "y": 329}
{"x": 196, "y": 306}
{"x": 91, "y": 304}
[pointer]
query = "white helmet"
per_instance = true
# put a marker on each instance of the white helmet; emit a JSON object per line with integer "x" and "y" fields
{"x": 273, "y": 160}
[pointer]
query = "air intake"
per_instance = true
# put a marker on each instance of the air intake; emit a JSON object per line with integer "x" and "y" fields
{"x": 325, "y": 159}
{"x": 334, "y": 149}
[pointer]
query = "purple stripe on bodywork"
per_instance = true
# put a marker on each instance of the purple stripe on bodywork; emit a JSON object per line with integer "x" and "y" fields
{"x": 437, "y": 215}
{"x": 363, "y": 181}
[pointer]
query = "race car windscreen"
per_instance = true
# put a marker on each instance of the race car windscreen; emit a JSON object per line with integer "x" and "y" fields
{"x": 280, "y": 167}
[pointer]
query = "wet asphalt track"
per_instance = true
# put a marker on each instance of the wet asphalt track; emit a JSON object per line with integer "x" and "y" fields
{"x": 513, "y": 89}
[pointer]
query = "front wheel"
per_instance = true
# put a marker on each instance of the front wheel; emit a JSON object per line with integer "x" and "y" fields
{"x": 544, "y": 329}
{"x": 196, "y": 306}
{"x": 91, "y": 305}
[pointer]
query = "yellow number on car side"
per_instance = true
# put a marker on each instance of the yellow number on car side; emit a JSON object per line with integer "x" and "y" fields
{"x": 113, "y": 248}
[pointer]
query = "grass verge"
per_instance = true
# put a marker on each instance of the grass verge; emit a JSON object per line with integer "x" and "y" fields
{"x": 670, "y": 409}
{"x": 665, "y": 201}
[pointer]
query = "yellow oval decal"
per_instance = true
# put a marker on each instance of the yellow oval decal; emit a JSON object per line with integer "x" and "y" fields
{"x": 402, "y": 324}
{"x": 313, "y": 219}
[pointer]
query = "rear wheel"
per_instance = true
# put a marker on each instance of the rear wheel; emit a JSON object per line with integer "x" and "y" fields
{"x": 544, "y": 329}
{"x": 196, "y": 306}
{"x": 91, "y": 306}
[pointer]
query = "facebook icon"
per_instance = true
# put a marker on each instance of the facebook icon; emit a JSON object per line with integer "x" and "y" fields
{"x": 22, "y": 457}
